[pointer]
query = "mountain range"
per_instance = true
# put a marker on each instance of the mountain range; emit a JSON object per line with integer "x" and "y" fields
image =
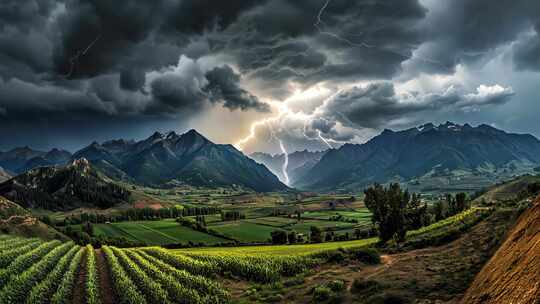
{"x": 298, "y": 163}
{"x": 424, "y": 151}
{"x": 429, "y": 155}
{"x": 22, "y": 159}
{"x": 188, "y": 158}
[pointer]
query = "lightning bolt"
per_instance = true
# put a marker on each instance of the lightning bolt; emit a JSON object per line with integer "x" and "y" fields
{"x": 320, "y": 25}
{"x": 320, "y": 22}
{"x": 324, "y": 139}
{"x": 285, "y": 163}
{"x": 75, "y": 58}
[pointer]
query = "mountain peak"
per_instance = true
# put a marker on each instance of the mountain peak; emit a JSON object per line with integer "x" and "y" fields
{"x": 426, "y": 127}
{"x": 171, "y": 135}
{"x": 194, "y": 135}
{"x": 155, "y": 136}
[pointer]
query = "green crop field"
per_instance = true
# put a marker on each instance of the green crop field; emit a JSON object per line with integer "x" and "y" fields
{"x": 155, "y": 232}
{"x": 244, "y": 231}
{"x": 279, "y": 250}
{"x": 304, "y": 226}
{"x": 37, "y": 271}
{"x": 360, "y": 215}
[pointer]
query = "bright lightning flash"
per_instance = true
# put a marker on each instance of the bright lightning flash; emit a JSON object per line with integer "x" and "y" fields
{"x": 285, "y": 163}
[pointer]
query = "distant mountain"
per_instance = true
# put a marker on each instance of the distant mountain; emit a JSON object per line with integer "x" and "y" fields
{"x": 427, "y": 151}
{"x": 22, "y": 159}
{"x": 4, "y": 176}
{"x": 189, "y": 158}
{"x": 299, "y": 162}
{"x": 63, "y": 187}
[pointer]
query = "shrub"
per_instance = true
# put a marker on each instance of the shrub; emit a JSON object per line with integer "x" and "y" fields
{"x": 322, "y": 293}
{"x": 336, "y": 286}
{"x": 368, "y": 256}
{"x": 366, "y": 287}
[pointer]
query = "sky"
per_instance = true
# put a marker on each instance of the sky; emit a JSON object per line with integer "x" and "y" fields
{"x": 264, "y": 75}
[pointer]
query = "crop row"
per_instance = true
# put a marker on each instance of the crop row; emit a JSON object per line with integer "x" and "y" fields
{"x": 24, "y": 261}
{"x": 16, "y": 289}
{"x": 260, "y": 268}
{"x": 42, "y": 292}
{"x": 92, "y": 292}
{"x": 195, "y": 287}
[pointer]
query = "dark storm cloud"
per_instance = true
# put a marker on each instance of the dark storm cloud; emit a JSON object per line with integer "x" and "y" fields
{"x": 377, "y": 105}
{"x": 112, "y": 61}
{"x": 132, "y": 79}
{"x": 527, "y": 50}
{"x": 224, "y": 86}
{"x": 465, "y": 31}
{"x": 284, "y": 40}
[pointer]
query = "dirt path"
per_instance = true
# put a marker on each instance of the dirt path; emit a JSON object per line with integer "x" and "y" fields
{"x": 440, "y": 273}
{"x": 79, "y": 288}
{"x": 105, "y": 283}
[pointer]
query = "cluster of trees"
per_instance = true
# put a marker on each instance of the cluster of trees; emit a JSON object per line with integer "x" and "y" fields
{"x": 232, "y": 215}
{"x": 449, "y": 206}
{"x": 316, "y": 235}
{"x": 395, "y": 211}
{"x": 284, "y": 237}
{"x": 136, "y": 214}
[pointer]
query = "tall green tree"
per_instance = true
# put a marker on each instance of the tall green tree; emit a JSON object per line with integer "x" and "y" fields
{"x": 315, "y": 234}
{"x": 389, "y": 207}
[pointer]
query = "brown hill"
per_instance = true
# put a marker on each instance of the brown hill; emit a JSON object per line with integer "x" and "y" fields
{"x": 16, "y": 220}
{"x": 512, "y": 275}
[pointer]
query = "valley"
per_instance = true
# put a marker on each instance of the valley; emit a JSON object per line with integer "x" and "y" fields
{"x": 122, "y": 237}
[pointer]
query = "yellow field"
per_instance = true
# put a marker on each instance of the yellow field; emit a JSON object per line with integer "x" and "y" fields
{"x": 301, "y": 249}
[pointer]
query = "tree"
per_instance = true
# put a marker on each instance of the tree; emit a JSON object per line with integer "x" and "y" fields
{"x": 328, "y": 236}
{"x": 279, "y": 237}
{"x": 439, "y": 210}
{"x": 416, "y": 212}
{"x": 357, "y": 233}
{"x": 292, "y": 236}
{"x": 460, "y": 202}
{"x": 389, "y": 207}
{"x": 315, "y": 234}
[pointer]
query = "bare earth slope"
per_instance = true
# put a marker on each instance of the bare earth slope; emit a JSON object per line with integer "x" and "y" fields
{"x": 512, "y": 275}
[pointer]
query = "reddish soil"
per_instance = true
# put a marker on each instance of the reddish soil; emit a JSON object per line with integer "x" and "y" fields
{"x": 147, "y": 204}
{"x": 79, "y": 288}
{"x": 105, "y": 283}
{"x": 512, "y": 275}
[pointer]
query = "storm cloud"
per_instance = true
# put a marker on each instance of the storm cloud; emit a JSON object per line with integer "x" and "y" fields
{"x": 156, "y": 64}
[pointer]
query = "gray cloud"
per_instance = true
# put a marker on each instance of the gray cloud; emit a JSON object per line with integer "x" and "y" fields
{"x": 377, "y": 105}
{"x": 79, "y": 61}
{"x": 224, "y": 86}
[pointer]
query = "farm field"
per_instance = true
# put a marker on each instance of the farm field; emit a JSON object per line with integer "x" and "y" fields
{"x": 160, "y": 232}
{"x": 244, "y": 231}
{"x": 254, "y": 229}
{"x": 37, "y": 271}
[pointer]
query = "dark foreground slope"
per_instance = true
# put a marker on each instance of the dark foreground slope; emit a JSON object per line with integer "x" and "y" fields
{"x": 61, "y": 188}
{"x": 512, "y": 275}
